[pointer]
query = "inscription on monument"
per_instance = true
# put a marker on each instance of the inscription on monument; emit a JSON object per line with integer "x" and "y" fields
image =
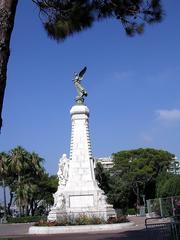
{"x": 81, "y": 200}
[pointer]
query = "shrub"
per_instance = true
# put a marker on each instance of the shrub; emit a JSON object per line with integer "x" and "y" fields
{"x": 131, "y": 211}
{"x": 87, "y": 220}
{"x": 44, "y": 223}
{"x": 82, "y": 220}
{"x": 25, "y": 219}
{"x": 97, "y": 220}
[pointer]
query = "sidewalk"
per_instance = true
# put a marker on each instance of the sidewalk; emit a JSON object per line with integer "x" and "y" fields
{"x": 19, "y": 230}
{"x": 139, "y": 222}
{"x": 14, "y": 229}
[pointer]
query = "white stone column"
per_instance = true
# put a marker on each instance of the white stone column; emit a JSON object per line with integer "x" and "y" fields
{"x": 79, "y": 193}
{"x": 81, "y": 170}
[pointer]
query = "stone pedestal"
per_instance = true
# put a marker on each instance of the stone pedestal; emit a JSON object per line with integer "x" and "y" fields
{"x": 78, "y": 191}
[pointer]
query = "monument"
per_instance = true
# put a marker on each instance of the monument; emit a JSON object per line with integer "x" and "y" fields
{"x": 78, "y": 191}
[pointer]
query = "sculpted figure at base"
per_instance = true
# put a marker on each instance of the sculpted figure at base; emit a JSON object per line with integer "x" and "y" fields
{"x": 59, "y": 201}
{"x": 80, "y": 90}
{"x": 63, "y": 173}
{"x": 63, "y": 170}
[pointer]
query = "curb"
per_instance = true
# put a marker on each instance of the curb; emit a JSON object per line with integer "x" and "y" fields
{"x": 79, "y": 229}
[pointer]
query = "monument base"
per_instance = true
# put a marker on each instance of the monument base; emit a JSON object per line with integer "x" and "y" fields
{"x": 90, "y": 203}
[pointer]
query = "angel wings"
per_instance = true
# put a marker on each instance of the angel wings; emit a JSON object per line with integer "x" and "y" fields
{"x": 79, "y": 76}
{"x": 80, "y": 90}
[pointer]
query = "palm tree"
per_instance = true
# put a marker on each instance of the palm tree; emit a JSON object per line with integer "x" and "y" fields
{"x": 3, "y": 175}
{"x": 28, "y": 169}
{"x": 34, "y": 176}
{"x": 36, "y": 162}
{"x": 24, "y": 192}
{"x": 18, "y": 162}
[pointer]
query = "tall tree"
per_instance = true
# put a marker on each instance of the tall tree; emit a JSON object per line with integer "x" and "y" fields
{"x": 29, "y": 184}
{"x": 66, "y": 17}
{"x": 44, "y": 192}
{"x": 18, "y": 163}
{"x": 33, "y": 176}
{"x": 139, "y": 169}
{"x": 7, "y": 15}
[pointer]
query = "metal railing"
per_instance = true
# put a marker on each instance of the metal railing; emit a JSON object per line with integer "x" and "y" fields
{"x": 164, "y": 207}
{"x": 162, "y": 228}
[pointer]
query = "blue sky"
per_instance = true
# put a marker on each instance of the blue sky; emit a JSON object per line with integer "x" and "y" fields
{"x": 133, "y": 86}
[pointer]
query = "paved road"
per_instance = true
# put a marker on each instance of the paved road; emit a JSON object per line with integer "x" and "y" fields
{"x": 19, "y": 231}
{"x": 128, "y": 235}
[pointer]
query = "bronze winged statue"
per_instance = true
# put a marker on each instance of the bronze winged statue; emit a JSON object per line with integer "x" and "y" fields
{"x": 80, "y": 90}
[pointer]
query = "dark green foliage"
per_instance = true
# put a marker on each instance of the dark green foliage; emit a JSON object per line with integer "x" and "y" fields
{"x": 26, "y": 219}
{"x": 135, "y": 174}
{"x": 131, "y": 211}
{"x": 144, "y": 160}
{"x": 168, "y": 185}
{"x": 103, "y": 177}
{"x": 64, "y": 18}
{"x": 29, "y": 185}
{"x": 46, "y": 187}
{"x": 119, "y": 194}
{"x": 3, "y": 165}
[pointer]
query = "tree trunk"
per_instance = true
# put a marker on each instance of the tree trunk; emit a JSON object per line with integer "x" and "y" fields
{"x": 23, "y": 210}
{"x": 138, "y": 195}
{"x": 19, "y": 197}
{"x": 27, "y": 210}
{"x": 31, "y": 207}
{"x": 4, "y": 194}
{"x": 7, "y": 16}
{"x": 10, "y": 203}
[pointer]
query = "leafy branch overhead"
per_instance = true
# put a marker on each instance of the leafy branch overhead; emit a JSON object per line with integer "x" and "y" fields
{"x": 64, "y": 18}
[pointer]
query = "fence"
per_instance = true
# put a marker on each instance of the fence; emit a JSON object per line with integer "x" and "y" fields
{"x": 164, "y": 207}
{"x": 161, "y": 229}
{"x": 164, "y": 221}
